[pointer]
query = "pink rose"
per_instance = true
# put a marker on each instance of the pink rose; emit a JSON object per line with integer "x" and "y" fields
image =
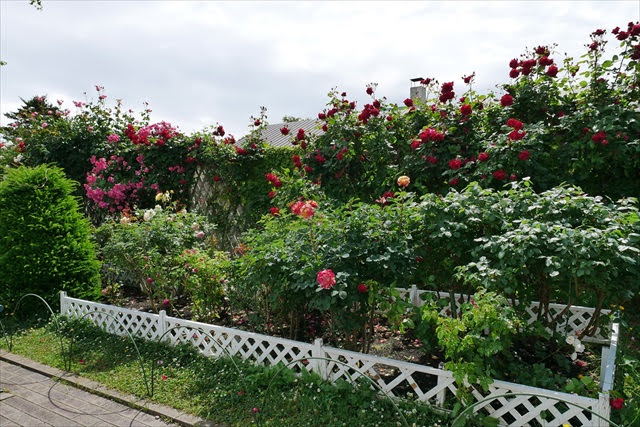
{"x": 326, "y": 279}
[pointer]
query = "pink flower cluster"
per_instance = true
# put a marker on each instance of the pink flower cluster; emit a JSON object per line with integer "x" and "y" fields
{"x": 304, "y": 209}
{"x": 326, "y": 279}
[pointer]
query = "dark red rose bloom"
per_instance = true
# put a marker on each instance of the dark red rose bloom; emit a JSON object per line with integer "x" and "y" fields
{"x": 529, "y": 63}
{"x": 241, "y": 150}
{"x": 369, "y": 91}
{"x": 376, "y": 104}
{"x": 408, "y": 102}
{"x": 220, "y": 131}
{"x": 467, "y": 79}
{"x": 594, "y": 46}
{"x": 274, "y": 211}
{"x": 303, "y": 145}
{"x": 324, "y": 128}
{"x": 343, "y": 94}
{"x": 308, "y": 169}
{"x": 622, "y": 35}
{"x": 362, "y": 288}
{"x": 524, "y": 155}
{"x": 552, "y": 71}
{"x": 300, "y": 135}
{"x": 599, "y": 137}
{"x": 284, "y": 130}
{"x": 453, "y": 182}
{"x": 616, "y": 30}
{"x": 322, "y": 116}
{"x": 598, "y": 32}
{"x": 517, "y": 135}
{"x": 415, "y": 144}
{"x": 514, "y": 73}
{"x": 525, "y": 71}
{"x": 617, "y": 403}
{"x": 500, "y": 175}
{"x": 319, "y": 158}
{"x": 465, "y": 110}
{"x": 514, "y": 63}
{"x": 506, "y": 100}
{"x": 516, "y": 124}
{"x": 545, "y": 61}
{"x": 455, "y": 164}
{"x": 483, "y": 157}
{"x": 256, "y": 122}
{"x": 635, "y": 30}
{"x": 432, "y": 160}
{"x": 542, "y": 50}
{"x": 217, "y": 178}
{"x": 447, "y": 87}
{"x": 513, "y": 177}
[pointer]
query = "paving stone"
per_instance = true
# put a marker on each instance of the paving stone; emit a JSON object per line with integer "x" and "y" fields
{"x": 17, "y": 416}
{"x": 44, "y": 415}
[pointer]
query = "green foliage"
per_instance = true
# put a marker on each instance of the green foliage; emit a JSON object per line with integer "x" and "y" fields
{"x": 45, "y": 242}
{"x": 150, "y": 248}
{"x": 486, "y": 327}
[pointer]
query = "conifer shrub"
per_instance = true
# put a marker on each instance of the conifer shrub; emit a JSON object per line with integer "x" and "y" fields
{"x": 45, "y": 244}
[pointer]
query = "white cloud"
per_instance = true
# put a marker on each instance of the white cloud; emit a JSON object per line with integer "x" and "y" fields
{"x": 201, "y": 62}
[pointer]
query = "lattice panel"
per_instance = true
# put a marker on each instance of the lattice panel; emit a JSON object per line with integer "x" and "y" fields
{"x": 524, "y": 410}
{"x": 573, "y": 322}
{"x": 394, "y": 377}
{"x": 202, "y": 189}
{"x": 116, "y": 320}
{"x": 261, "y": 349}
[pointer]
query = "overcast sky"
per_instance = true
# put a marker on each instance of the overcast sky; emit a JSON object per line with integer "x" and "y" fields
{"x": 198, "y": 63}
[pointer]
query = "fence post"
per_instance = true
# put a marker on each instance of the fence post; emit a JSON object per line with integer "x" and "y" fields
{"x": 162, "y": 324}
{"x": 442, "y": 394}
{"x": 413, "y": 296}
{"x": 319, "y": 365}
{"x": 603, "y": 409}
{"x": 63, "y": 303}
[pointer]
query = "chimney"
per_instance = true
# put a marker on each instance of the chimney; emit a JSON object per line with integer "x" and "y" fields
{"x": 417, "y": 91}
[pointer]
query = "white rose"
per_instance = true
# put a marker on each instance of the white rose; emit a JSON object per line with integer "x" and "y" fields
{"x": 571, "y": 339}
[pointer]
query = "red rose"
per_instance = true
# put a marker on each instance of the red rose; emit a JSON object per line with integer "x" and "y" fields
{"x": 513, "y": 177}
{"x": 369, "y": 91}
{"x": 514, "y": 63}
{"x": 506, "y": 100}
{"x": 447, "y": 87}
{"x": 408, "y": 102}
{"x": 308, "y": 169}
{"x": 617, "y": 403}
{"x": 599, "y": 137}
{"x": 500, "y": 174}
{"x": 465, "y": 110}
{"x": 300, "y": 135}
{"x": 524, "y": 155}
{"x": 362, "y": 288}
{"x": 326, "y": 279}
{"x": 455, "y": 164}
{"x": 324, "y": 127}
{"x": 514, "y": 73}
{"x": 274, "y": 211}
{"x": 517, "y": 135}
{"x": 272, "y": 194}
{"x": 453, "y": 182}
{"x": 483, "y": 157}
{"x": 284, "y": 130}
{"x": 415, "y": 144}
{"x": 217, "y": 178}
{"x": 516, "y": 124}
{"x": 319, "y": 158}
{"x": 622, "y": 35}
{"x": 257, "y": 122}
{"x": 552, "y": 71}
{"x": 322, "y": 116}
{"x": 432, "y": 160}
{"x": 545, "y": 61}
{"x": 240, "y": 150}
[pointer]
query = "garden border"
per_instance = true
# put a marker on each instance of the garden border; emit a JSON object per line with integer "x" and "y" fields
{"x": 395, "y": 377}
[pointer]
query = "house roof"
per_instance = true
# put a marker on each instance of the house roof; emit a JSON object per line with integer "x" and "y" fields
{"x": 271, "y": 133}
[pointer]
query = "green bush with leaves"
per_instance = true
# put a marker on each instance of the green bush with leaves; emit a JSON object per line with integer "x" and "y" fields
{"x": 147, "y": 246}
{"x": 45, "y": 244}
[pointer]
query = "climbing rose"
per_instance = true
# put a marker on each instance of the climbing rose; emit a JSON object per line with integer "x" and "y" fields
{"x": 326, "y": 279}
{"x": 369, "y": 91}
{"x": 599, "y": 137}
{"x": 300, "y": 135}
{"x": 500, "y": 174}
{"x": 403, "y": 181}
{"x": 506, "y": 100}
{"x": 465, "y": 110}
{"x": 408, "y": 102}
{"x": 516, "y": 124}
{"x": 455, "y": 164}
{"x": 514, "y": 73}
{"x": 483, "y": 157}
{"x": 524, "y": 155}
{"x": 284, "y": 130}
{"x": 517, "y": 135}
{"x": 552, "y": 71}
{"x": 415, "y": 144}
{"x": 274, "y": 211}
{"x": 362, "y": 288}
{"x": 453, "y": 182}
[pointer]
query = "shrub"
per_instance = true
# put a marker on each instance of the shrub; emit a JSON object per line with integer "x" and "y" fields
{"x": 45, "y": 242}
{"x": 148, "y": 246}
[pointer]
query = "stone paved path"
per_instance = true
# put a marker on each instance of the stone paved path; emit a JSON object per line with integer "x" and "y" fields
{"x": 32, "y": 399}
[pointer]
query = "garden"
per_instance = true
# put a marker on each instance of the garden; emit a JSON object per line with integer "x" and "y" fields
{"x": 470, "y": 258}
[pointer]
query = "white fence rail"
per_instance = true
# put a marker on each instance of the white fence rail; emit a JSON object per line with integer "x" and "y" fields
{"x": 395, "y": 377}
{"x": 573, "y": 322}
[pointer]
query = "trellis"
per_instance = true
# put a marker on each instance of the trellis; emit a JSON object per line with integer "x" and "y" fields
{"x": 395, "y": 377}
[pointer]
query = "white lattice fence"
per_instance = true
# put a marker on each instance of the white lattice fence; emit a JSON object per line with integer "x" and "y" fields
{"x": 395, "y": 377}
{"x": 572, "y": 323}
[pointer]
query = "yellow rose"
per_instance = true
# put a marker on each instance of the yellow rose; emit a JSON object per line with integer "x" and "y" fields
{"x": 403, "y": 181}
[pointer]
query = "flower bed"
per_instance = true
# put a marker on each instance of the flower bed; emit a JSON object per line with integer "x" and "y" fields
{"x": 529, "y": 405}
